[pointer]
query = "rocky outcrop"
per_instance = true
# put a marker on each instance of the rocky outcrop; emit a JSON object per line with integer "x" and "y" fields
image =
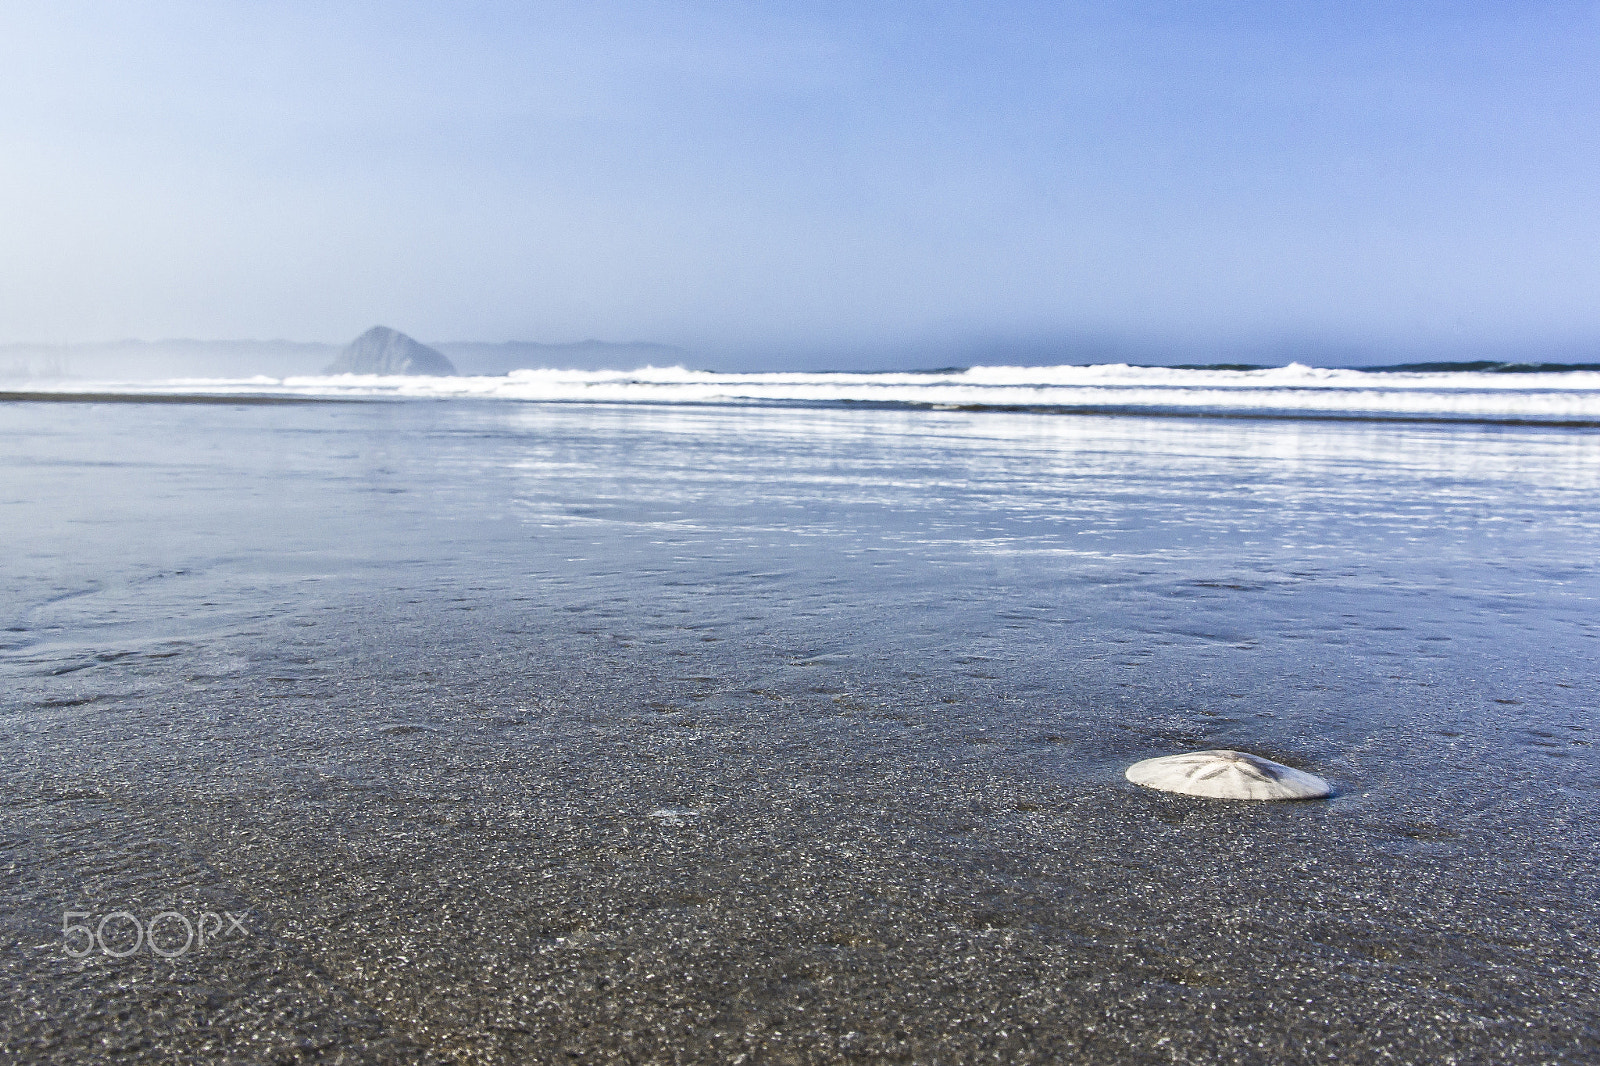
{"x": 381, "y": 350}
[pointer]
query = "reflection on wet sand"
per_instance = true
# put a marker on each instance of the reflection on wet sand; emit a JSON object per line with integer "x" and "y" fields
{"x": 523, "y": 732}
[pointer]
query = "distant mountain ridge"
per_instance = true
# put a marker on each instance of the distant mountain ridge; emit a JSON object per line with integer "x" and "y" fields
{"x": 136, "y": 360}
{"x": 487, "y": 358}
{"x": 139, "y": 360}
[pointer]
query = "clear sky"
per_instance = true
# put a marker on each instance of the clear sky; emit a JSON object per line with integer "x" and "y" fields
{"x": 774, "y": 181}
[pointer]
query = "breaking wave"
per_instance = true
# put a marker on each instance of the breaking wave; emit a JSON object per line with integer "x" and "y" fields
{"x": 1570, "y": 397}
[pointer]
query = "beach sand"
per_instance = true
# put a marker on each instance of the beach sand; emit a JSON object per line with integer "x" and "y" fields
{"x": 408, "y": 686}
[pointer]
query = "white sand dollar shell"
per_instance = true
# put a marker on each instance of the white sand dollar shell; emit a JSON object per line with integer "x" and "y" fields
{"x": 1225, "y": 774}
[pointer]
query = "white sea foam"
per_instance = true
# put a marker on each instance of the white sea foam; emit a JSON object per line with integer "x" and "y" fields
{"x": 1572, "y": 396}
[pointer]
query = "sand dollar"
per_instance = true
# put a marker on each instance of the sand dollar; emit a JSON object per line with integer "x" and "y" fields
{"x": 1226, "y": 774}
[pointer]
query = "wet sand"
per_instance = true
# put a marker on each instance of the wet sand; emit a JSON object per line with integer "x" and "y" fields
{"x": 597, "y": 735}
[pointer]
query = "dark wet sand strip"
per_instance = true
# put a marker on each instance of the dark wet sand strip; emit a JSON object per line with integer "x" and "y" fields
{"x": 169, "y": 397}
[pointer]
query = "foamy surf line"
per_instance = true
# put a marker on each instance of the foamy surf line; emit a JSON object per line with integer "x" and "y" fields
{"x": 1569, "y": 398}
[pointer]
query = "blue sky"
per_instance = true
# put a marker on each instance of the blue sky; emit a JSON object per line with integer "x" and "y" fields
{"x": 801, "y": 182}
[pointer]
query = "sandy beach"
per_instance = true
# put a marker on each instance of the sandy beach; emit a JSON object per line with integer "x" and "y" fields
{"x": 524, "y": 732}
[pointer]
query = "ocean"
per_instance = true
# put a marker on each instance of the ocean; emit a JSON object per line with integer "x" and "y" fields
{"x": 669, "y": 716}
